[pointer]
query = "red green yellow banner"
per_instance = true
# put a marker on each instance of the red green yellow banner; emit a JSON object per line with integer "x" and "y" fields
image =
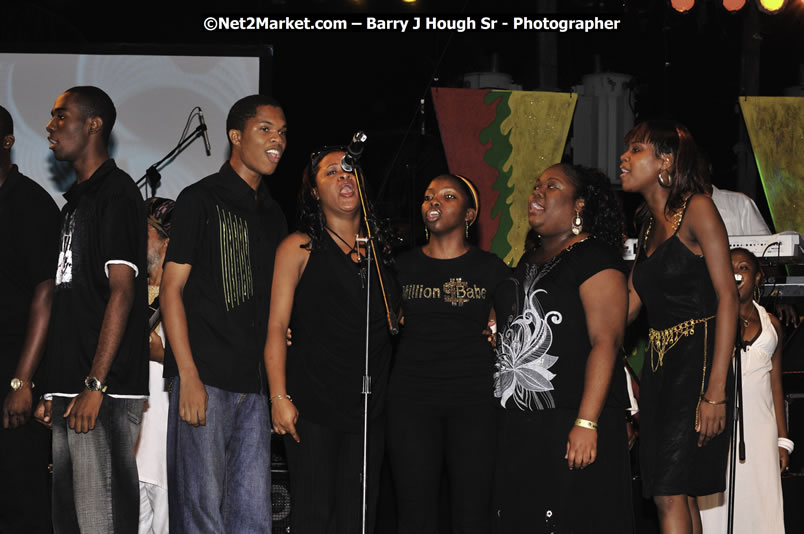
{"x": 503, "y": 141}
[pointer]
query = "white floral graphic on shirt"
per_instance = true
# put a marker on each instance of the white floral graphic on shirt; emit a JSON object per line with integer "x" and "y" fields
{"x": 523, "y": 357}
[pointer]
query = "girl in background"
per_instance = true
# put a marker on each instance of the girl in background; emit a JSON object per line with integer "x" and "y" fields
{"x": 758, "y": 489}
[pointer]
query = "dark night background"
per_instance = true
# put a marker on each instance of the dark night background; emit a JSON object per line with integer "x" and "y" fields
{"x": 690, "y": 67}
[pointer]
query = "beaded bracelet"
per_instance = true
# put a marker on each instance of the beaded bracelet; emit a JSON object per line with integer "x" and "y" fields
{"x": 584, "y": 423}
{"x": 279, "y": 397}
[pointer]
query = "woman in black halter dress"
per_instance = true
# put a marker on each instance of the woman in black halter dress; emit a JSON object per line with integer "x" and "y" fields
{"x": 682, "y": 277}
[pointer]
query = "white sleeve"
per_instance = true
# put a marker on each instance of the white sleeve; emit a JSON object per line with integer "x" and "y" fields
{"x": 120, "y": 262}
{"x": 752, "y": 220}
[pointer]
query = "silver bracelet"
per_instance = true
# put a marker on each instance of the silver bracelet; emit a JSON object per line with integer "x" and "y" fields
{"x": 786, "y": 444}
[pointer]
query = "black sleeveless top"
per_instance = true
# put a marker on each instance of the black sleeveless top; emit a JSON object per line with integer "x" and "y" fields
{"x": 674, "y": 286}
{"x": 326, "y": 362}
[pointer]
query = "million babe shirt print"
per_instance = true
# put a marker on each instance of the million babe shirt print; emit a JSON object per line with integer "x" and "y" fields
{"x": 443, "y": 356}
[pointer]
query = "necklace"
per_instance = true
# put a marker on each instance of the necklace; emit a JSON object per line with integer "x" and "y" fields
{"x": 540, "y": 270}
{"x": 352, "y": 248}
{"x": 677, "y": 216}
{"x": 362, "y": 272}
{"x": 745, "y": 319}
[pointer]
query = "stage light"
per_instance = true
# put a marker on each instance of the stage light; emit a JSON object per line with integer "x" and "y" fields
{"x": 682, "y": 6}
{"x": 770, "y": 6}
{"x": 733, "y": 5}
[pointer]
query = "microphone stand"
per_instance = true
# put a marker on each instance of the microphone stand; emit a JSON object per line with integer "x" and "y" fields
{"x": 152, "y": 176}
{"x": 393, "y": 327}
{"x": 737, "y": 422}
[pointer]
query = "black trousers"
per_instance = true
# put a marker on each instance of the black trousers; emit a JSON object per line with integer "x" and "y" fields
{"x": 25, "y": 488}
{"x": 326, "y": 487}
{"x": 422, "y": 440}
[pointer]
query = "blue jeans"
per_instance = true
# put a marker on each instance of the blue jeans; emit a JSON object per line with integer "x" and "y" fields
{"x": 95, "y": 482}
{"x": 219, "y": 475}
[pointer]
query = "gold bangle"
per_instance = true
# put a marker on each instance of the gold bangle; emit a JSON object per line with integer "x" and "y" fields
{"x": 583, "y": 423}
{"x": 707, "y": 401}
{"x": 279, "y": 397}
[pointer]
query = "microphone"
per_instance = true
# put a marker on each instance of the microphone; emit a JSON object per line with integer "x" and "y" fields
{"x": 204, "y": 131}
{"x": 353, "y": 152}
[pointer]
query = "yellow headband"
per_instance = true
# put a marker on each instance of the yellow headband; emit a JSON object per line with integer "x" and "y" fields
{"x": 475, "y": 197}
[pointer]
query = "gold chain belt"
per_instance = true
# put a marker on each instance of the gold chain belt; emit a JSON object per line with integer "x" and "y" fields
{"x": 661, "y": 341}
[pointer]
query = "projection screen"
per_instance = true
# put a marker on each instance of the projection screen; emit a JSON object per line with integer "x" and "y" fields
{"x": 153, "y": 94}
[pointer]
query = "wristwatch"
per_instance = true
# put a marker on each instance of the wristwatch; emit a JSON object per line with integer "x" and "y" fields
{"x": 93, "y": 384}
{"x": 16, "y": 384}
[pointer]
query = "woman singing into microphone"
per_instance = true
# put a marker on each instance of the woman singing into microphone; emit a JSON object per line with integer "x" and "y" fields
{"x": 319, "y": 290}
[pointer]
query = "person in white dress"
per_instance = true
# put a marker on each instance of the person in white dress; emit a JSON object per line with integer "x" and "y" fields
{"x": 758, "y": 496}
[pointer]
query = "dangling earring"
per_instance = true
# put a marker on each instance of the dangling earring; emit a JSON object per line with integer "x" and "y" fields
{"x": 466, "y": 232}
{"x": 757, "y": 294}
{"x": 426, "y": 233}
{"x": 577, "y": 223}
{"x": 666, "y": 183}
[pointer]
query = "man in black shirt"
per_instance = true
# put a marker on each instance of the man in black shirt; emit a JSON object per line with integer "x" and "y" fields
{"x": 215, "y": 295}
{"x": 29, "y": 226}
{"x": 97, "y": 354}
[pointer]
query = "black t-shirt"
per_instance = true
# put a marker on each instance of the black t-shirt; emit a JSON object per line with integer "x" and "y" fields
{"x": 544, "y": 343}
{"x": 228, "y": 234}
{"x": 442, "y": 356}
{"x": 103, "y": 223}
{"x": 29, "y": 231}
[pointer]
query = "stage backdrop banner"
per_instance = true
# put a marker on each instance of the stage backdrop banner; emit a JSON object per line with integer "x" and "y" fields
{"x": 776, "y": 128}
{"x": 503, "y": 141}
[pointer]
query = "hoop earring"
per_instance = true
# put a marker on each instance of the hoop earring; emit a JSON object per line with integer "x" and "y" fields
{"x": 757, "y": 294}
{"x": 668, "y": 183}
{"x": 577, "y": 223}
{"x": 466, "y": 231}
{"x": 426, "y": 233}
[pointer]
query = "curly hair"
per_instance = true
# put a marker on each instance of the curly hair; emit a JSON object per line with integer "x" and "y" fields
{"x": 602, "y": 213}
{"x": 689, "y": 170}
{"x": 312, "y": 220}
